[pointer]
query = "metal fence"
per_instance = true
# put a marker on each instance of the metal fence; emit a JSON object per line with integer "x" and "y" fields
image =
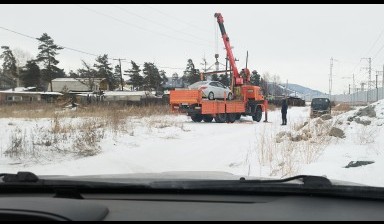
{"x": 357, "y": 98}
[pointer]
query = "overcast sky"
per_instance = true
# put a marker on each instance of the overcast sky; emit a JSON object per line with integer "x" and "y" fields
{"x": 294, "y": 42}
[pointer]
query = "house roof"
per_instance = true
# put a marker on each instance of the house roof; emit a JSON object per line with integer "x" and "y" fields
{"x": 22, "y": 90}
{"x": 75, "y": 79}
{"x": 19, "y": 89}
{"x": 122, "y": 93}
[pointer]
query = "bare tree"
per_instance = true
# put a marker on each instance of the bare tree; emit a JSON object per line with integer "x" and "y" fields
{"x": 87, "y": 76}
{"x": 21, "y": 57}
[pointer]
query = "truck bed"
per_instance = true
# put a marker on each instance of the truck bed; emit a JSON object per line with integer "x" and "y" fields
{"x": 188, "y": 100}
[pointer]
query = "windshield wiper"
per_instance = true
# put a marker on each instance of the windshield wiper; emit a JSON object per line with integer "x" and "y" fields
{"x": 307, "y": 180}
{"x": 310, "y": 185}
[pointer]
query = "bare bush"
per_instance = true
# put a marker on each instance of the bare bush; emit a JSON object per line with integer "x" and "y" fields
{"x": 44, "y": 110}
{"x": 343, "y": 107}
{"x": 365, "y": 134}
{"x": 283, "y": 153}
{"x": 15, "y": 150}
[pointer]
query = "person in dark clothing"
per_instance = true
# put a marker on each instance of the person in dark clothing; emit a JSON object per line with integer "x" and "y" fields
{"x": 284, "y": 108}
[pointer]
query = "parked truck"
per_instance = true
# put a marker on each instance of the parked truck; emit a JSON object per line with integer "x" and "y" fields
{"x": 247, "y": 100}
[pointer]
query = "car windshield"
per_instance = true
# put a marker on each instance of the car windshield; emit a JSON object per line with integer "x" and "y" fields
{"x": 320, "y": 101}
{"x": 105, "y": 89}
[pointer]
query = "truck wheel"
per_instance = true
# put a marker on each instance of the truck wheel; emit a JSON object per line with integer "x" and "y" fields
{"x": 211, "y": 96}
{"x": 258, "y": 115}
{"x": 231, "y": 118}
{"x": 207, "y": 118}
{"x": 238, "y": 116}
{"x": 197, "y": 118}
{"x": 221, "y": 118}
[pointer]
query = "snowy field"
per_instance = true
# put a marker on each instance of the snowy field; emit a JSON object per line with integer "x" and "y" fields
{"x": 82, "y": 146}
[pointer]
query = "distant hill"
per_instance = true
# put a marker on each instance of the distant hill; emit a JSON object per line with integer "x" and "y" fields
{"x": 294, "y": 90}
{"x": 304, "y": 90}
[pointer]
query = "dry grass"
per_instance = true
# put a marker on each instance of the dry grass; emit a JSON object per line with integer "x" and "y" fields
{"x": 283, "y": 154}
{"x": 27, "y": 110}
{"x": 75, "y": 132}
{"x": 35, "y": 111}
{"x": 365, "y": 134}
{"x": 342, "y": 107}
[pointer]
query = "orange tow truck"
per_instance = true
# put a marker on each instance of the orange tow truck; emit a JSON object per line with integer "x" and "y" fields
{"x": 248, "y": 99}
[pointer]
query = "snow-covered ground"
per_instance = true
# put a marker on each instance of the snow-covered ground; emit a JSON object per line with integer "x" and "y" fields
{"x": 175, "y": 143}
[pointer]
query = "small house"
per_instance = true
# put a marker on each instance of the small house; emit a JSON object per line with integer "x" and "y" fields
{"x": 79, "y": 85}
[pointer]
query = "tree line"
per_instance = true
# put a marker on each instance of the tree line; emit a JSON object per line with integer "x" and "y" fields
{"x": 40, "y": 71}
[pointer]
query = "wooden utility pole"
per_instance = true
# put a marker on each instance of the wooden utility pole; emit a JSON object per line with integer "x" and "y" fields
{"x": 49, "y": 69}
{"x": 121, "y": 73}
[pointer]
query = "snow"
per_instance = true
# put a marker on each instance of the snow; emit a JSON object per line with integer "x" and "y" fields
{"x": 174, "y": 143}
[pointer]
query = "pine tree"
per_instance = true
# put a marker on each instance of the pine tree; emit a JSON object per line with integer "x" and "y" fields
{"x": 191, "y": 74}
{"x": 163, "y": 79}
{"x": 255, "y": 78}
{"x": 104, "y": 70}
{"x": 135, "y": 78}
{"x": 48, "y": 51}
{"x": 30, "y": 75}
{"x": 152, "y": 77}
{"x": 117, "y": 77}
{"x": 215, "y": 77}
{"x": 73, "y": 74}
{"x": 9, "y": 63}
{"x": 224, "y": 79}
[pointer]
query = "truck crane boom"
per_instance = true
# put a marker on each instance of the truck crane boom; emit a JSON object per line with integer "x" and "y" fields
{"x": 237, "y": 78}
{"x": 248, "y": 99}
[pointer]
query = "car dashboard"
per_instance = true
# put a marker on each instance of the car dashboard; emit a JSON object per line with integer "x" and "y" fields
{"x": 185, "y": 207}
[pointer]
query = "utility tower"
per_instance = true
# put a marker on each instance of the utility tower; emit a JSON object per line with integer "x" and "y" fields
{"x": 204, "y": 64}
{"x": 330, "y": 78}
{"x": 377, "y": 89}
{"x": 369, "y": 77}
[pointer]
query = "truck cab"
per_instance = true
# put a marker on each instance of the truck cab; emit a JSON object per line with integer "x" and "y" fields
{"x": 320, "y": 106}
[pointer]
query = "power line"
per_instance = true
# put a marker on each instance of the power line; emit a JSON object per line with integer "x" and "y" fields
{"x": 68, "y": 48}
{"x": 83, "y": 52}
{"x": 381, "y": 33}
{"x": 378, "y": 51}
{"x": 18, "y": 33}
{"x": 369, "y": 51}
{"x": 168, "y": 67}
{"x": 139, "y": 27}
{"x": 177, "y": 19}
{"x": 160, "y": 24}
